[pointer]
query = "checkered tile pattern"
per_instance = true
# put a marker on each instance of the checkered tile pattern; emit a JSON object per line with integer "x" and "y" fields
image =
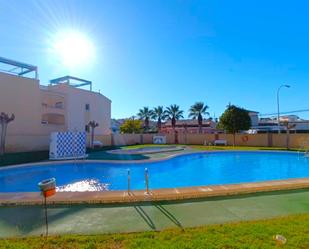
{"x": 71, "y": 144}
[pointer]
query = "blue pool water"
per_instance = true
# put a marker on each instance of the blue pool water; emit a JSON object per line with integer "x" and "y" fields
{"x": 182, "y": 171}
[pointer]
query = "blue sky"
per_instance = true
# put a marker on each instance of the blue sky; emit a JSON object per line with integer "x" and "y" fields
{"x": 162, "y": 52}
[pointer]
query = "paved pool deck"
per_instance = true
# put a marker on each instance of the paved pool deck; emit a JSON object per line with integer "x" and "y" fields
{"x": 107, "y": 218}
{"x": 155, "y": 195}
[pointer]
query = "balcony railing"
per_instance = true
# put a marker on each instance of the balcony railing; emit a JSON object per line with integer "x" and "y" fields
{"x": 59, "y": 106}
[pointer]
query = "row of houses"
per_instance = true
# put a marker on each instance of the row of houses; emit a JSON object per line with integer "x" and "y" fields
{"x": 209, "y": 126}
{"x": 258, "y": 125}
{"x": 270, "y": 124}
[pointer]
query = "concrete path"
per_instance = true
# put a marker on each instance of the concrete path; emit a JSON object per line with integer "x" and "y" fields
{"x": 82, "y": 219}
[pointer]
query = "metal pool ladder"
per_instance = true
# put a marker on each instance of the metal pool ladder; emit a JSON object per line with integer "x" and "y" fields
{"x": 129, "y": 181}
{"x": 146, "y": 181}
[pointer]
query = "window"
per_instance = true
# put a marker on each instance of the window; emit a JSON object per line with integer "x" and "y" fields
{"x": 59, "y": 105}
{"x": 87, "y": 107}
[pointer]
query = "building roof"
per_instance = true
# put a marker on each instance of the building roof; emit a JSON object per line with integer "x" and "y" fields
{"x": 252, "y": 111}
{"x": 72, "y": 81}
{"x": 17, "y": 68}
{"x": 188, "y": 122}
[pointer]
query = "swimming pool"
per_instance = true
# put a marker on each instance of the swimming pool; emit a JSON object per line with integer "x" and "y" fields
{"x": 187, "y": 170}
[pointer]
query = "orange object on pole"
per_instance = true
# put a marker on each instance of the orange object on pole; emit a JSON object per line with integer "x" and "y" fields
{"x": 48, "y": 189}
{"x": 49, "y": 192}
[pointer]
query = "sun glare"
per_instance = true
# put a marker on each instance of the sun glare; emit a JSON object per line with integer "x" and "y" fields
{"x": 73, "y": 48}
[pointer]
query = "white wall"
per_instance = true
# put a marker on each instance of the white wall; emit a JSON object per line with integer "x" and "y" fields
{"x": 254, "y": 118}
{"x": 21, "y": 96}
{"x": 78, "y": 117}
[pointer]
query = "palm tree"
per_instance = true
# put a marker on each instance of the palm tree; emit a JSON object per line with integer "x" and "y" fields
{"x": 159, "y": 114}
{"x": 174, "y": 113}
{"x": 145, "y": 114}
{"x": 197, "y": 111}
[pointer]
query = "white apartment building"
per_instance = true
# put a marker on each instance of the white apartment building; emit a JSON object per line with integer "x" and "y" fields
{"x": 39, "y": 110}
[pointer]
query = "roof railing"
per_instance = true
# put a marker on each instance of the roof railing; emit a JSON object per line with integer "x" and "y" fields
{"x": 72, "y": 81}
{"x": 17, "y": 68}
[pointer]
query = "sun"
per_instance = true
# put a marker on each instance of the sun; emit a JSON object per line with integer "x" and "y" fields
{"x": 72, "y": 48}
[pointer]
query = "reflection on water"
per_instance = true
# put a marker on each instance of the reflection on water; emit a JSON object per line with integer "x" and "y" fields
{"x": 83, "y": 186}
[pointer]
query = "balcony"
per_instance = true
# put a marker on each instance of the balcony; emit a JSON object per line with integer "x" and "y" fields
{"x": 53, "y": 119}
{"x": 57, "y": 108}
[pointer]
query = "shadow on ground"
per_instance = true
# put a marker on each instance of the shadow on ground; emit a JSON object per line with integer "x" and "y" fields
{"x": 96, "y": 219}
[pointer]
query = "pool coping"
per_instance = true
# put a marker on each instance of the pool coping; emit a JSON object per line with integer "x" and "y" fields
{"x": 129, "y": 151}
{"x": 165, "y": 194}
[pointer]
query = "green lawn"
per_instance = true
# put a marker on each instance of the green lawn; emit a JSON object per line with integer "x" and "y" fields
{"x": 102, "y": 154}
{"x": 206, "y": 147}
{"x": 202, "y": 147}
{"x": 23, "y": 157}
{"x": 255, "y": 234}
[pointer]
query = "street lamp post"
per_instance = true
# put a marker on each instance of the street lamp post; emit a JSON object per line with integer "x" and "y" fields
{"x": 278, "y": 105}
